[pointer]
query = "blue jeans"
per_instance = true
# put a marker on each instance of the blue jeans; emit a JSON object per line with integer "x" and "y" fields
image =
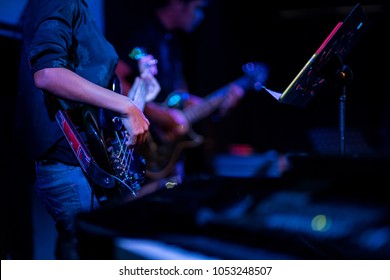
{"x": 65, "y": 192}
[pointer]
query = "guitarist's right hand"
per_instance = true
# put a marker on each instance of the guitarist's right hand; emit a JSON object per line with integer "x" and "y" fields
{"x": 136, "y": 125}
{"x": 176, "y": 125}
{"x": 171, "y": 122}
{"x": 148, "y": 63}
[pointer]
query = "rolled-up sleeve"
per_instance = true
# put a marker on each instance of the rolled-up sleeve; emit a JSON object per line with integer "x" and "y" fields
{"x": 52, "y": 37}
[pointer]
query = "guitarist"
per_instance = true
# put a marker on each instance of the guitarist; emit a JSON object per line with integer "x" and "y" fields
{"x": 64, "y": 57}
{"x": 157, "y": 32}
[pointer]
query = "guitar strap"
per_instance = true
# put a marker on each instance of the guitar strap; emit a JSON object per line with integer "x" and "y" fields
{"x": 87, "y": 163}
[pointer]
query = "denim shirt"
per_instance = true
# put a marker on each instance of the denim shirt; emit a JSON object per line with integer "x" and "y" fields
{"x": 57, "y": 33}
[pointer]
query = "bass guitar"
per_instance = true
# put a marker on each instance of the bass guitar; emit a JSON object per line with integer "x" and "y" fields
{"x": 116, "y": 171}
{"x": 161, "y": 153}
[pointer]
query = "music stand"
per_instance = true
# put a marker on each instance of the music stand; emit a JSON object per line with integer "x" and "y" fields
{"x": 327, "y": 65}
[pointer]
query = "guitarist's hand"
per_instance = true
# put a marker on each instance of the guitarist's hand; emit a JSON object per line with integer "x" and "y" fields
{"x": 232, "y": 98}
{"x": 170, "y": 122}
{"x": 153, "y": 86}
{"x": 136, "y": 125}
{"x": 145, "y": 89}
{"x": 148, "y": 64}
{"x": 177, "y": 124}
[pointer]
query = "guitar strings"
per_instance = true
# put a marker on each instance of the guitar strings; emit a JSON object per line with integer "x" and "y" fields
{"x": 125, "y": 154}
{"x": 138, "y": 97}
{"x": 124, "y": 184}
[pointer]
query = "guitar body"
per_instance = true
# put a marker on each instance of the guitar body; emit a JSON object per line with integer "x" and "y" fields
{"x": 106, "y": 145}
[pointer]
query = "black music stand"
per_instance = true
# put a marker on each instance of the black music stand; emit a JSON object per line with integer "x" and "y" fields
{"x": 327, "y": 66}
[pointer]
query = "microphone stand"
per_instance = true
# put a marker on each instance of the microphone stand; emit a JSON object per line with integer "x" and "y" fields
{"x": 344, "y": 76}
{"x": 339, "y": 74}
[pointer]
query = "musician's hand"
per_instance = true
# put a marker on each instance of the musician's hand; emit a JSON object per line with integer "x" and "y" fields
{"x": 233, "y": 96}
{"x": 177, "y": 125}
{"x": 136, "y": 124}
{"x": 148, "y": 63}
{"x": 170, "y": 122}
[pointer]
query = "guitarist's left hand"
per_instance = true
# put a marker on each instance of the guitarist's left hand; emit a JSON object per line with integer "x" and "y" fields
{"x": 144, "y": 89}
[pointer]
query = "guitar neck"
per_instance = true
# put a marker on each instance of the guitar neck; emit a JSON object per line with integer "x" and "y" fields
{"x": 211, "y": 102}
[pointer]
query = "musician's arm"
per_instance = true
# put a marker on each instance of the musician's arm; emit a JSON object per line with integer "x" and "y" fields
{"x": 233, "y": 96}
{"x": 67, "y": 84}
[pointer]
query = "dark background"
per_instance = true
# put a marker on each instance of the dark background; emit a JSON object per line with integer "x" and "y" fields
{"x": 284, "y": 36}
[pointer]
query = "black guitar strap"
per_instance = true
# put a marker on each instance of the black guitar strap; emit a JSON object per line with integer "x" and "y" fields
{"x": 87, "y": 163}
